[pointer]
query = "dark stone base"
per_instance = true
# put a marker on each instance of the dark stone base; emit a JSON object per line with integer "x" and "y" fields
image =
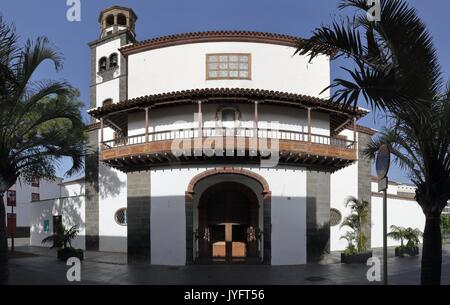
{"x": 138, "y": 259}
{"x": 65, "y": 254}
{"x": 92, "y": 242}
{"x": 400, "y": 252}
{"x": 138, "y": 216}
{"x": 360, "y": 258}
{"x": 22, "y": 232}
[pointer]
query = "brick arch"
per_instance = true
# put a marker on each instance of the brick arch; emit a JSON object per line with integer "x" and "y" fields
{"x": 267, "y": 199}
{"x": 229, "y": 170}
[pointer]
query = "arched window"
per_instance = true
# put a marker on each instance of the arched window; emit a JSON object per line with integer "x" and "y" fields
{"x": 229, "y": 115}
{"x": 110, "y": 20}
{"x": 121, "y": 19}
{"x": 113, "y": 60}
{"x": 102, "y": 64}
{"x": 107, "y": 102}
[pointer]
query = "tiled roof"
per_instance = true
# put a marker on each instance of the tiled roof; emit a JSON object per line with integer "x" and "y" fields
{"x": 213, "y": 36}
{"x": 184, "y": 96}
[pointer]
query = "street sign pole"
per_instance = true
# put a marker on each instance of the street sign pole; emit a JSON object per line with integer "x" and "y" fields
{"x": 12, "y": 236}
{"x": 382, "y": 166}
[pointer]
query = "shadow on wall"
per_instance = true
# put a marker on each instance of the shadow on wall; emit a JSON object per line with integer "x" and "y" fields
{"x": 110, "y": 182}
{"x": 72, "y": 211}
{"x": 318, "y": 242}
{"x": 318, "y": 230}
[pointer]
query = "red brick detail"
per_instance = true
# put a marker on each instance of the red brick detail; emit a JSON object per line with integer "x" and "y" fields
{"x": 228, "y": 170}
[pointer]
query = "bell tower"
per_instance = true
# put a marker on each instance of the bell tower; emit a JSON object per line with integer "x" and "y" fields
{"x": 108, "y": 86}
{"x": 115, "y": 19}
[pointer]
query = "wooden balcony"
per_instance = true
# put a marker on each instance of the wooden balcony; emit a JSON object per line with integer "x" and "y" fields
{"x": 220, "y": 145}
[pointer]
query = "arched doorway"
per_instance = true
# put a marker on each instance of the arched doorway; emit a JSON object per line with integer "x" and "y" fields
{"x": 228, "y": 222}
{"x": 195, "y": 235}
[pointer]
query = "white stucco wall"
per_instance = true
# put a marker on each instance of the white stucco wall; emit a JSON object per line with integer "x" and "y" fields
{"x": 168, "y": 220}
{"x": 183, "y": 67}
{"x": 401, "y": 212}
{"x": 46, "y": 190}
{"x": 72, "y": 210}
{"x": 343, "y": 183}
{"x": 73, "y": 188}
{"x": 108, "y": 90}
{"x": 288, "y": 188}
{"x": 112, "y": 197}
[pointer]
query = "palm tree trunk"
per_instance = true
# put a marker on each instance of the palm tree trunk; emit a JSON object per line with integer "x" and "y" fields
{"x": 3, "y": 244}
{"x": 432, "y": 252}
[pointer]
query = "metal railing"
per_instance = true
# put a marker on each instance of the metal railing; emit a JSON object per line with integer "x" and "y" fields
{"x": 190, "y": 133}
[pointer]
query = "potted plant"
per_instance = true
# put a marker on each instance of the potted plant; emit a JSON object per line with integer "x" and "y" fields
{"x": 410, "y": 235}
{"x": 62, "y": 239}
{"x": 356, "y": 251}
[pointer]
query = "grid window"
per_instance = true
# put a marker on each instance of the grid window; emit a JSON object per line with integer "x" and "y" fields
{"x": 35, "y": 183}
{"x": 11, "y": 198}
{"x": 228, "y": 66}
{"x": 35, "y": 197}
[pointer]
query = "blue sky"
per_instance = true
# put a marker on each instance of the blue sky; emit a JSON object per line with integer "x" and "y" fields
{"x": 161, "y": 17}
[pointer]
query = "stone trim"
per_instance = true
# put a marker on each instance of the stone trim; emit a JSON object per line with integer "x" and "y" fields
{"x": 228, "y": 170}
{"x": 318, "y": 198}
{"x": 138, "y": 217}
{"x": 112, "y": 37}
{"x": 92, "y": 193}
{"x": 364, "y": 179}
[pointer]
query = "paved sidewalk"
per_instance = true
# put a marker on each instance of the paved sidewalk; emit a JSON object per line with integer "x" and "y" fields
{"x": 110, "y": 268}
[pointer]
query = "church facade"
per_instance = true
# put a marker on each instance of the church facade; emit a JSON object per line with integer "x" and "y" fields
{"x": 216, "y": 146}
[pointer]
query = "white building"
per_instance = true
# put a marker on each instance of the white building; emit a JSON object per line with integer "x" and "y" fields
{"x": 24, "y": 195}
{"x": 217, "y": 146}
{"x": 68, "y": 208}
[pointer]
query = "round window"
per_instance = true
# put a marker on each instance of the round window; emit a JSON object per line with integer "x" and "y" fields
{"x": 335, "y": 217}
{"x": 121, "y": 217}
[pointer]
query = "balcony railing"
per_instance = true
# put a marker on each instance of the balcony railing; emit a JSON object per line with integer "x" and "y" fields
{"x": 228, "y": 132}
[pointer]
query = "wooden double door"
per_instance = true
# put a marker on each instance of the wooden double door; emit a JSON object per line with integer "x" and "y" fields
{"x": 228, "y": 223}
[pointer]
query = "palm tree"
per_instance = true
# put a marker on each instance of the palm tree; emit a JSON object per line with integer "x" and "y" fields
{"x": 357, "y": 221}
{"x": 62, "y": 237}
{"x": 350, "y": 237}
{"x": 397, "y": 233}
{"x": 396, "y": 70}
{"x": 420, "y": 145}
{"x": 40, "y": 121}
{"x": 413, "y": 237}
{"x": 410, "y": 234}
